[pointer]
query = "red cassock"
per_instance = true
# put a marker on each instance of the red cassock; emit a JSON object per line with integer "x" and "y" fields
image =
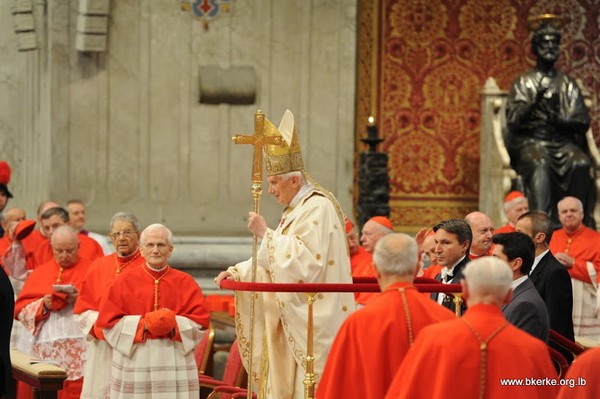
{"x": 361, "y": 264}
{"x": 100, "y": 276}
{"x": 88, "y": 248}
{"x": 68, "y": 352}
{"x": 134, "y": 295}
{"x": 446, "y": 361}
{"x": 583, "y": 245}
{"x": 39, "y": 283}
{"x": 582, "y": 380}
{"x": 488, "y": 253}
{"x": 372, "y": 342}
{"x": 507, "y": 228}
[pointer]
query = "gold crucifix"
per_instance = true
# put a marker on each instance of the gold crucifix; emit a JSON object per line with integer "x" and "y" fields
{"x": 258, "y": 140}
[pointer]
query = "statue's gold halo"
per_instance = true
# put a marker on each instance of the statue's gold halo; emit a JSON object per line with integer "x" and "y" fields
{"x": 535, "y": 22}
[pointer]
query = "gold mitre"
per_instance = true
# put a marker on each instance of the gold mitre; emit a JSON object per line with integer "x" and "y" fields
{"x": 537, "y": 21}
{"x": 287, "y": 157}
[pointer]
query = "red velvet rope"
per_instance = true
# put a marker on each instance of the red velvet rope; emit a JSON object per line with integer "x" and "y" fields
{"x": 272, "y": 287}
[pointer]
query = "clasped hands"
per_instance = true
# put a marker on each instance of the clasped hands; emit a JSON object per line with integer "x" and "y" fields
{"x": 160, "y": 322}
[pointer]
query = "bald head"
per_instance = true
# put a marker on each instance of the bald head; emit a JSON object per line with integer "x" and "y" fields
{"x": 487, "y": 281}
{"x": 482, "y": 228}
{"x": 65, "y": 246}
{"x": 45, "y": 205}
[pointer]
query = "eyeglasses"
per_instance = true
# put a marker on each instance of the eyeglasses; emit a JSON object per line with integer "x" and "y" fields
{"x": 126, "y": 234}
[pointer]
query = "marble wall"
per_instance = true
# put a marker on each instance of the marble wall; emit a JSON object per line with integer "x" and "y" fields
{"x": 124, "y": 129}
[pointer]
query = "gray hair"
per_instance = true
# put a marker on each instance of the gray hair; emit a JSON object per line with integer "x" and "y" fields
{"x": 127, "y": 217}
{"x": 397, "y": 254}
{"x": 156, "y": 227}
{"x": 287, "y": 176}
{"x": 513, "y": 202}
{"x": 488, "y": 279}
{"x": 577, "y": 201}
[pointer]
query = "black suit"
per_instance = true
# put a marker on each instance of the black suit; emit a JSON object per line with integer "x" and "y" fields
{"x": 552, "y": 281}
{"x": 448, "y": 302}
{"x": 7, "y": 304}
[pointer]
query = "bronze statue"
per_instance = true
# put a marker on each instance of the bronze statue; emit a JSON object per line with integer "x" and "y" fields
{"x": 547, "y": 121}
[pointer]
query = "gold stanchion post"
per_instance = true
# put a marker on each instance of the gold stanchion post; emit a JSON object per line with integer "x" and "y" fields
{"x": 309, "y": 377}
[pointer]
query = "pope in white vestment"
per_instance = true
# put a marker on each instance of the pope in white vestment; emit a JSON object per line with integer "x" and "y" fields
{"x": 308, "y": 246}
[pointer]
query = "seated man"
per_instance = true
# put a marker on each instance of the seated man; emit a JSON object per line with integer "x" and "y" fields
{"x": 45, "y": 307}
{"x": 547, "y": 120}
{"x": 526, "y": 308}
{"x": 515, "y": 204}
{"x": 468, "y": 357}
{"x": 372, "y": 342}
{"x": 153, "y": 317}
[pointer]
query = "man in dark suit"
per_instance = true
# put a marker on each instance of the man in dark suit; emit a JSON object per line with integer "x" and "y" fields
{"x": 452, "y": 242}
{"x": 526, "y": 310}
{"x": 550, "y": 277}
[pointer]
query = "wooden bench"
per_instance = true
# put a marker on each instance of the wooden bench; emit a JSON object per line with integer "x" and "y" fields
{"x": 45, "y": 379}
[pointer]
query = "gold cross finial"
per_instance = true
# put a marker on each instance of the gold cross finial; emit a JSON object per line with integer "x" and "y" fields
{"x": 258, "y": 140}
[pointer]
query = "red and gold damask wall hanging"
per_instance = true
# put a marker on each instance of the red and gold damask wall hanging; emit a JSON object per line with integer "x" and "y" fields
{"x": 421, "y": 67}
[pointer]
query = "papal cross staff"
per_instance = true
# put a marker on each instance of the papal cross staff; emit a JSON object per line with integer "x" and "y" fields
{"x": 258, "y": 140}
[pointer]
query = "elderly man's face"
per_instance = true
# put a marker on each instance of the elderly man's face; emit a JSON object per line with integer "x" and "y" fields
{"x": 371, "y": 233}
{"x": 156, "y": 250}
{"x": 516, "y": 209}
{"x": 283, "y": 190}
{"x": 483, "y": 230}
{"x": 570, "y": 214}
{"x": 124, "y": 237}
{"x": 66, "y": 250}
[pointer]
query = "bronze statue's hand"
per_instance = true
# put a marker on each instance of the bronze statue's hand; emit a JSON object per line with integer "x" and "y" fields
{"x": 257, "y": 224}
